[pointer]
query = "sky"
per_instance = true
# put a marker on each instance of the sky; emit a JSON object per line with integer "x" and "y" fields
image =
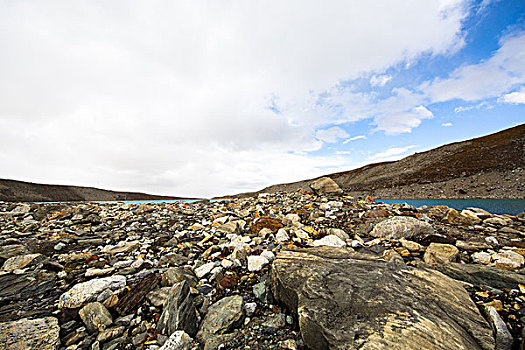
{"x": 208, "y": 98}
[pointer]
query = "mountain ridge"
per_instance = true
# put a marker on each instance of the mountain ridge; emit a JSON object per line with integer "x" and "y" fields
{"x": 22, "y": 191}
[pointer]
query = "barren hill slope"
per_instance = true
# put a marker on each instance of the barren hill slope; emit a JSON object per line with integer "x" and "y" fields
{"x": 491, "y": 166}
{"x": 11, "y": 190}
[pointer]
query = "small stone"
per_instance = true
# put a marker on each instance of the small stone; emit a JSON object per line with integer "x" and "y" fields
{"x": 393, "y": 257}
{"x": 257, "y": 262}
{"x": 98, "y": 272}
{"x": 276, "y": 321}
{"x": 110, "y": 333}
{"x": 95, "y": 316}
{"x": 157, "y": 296}
{"x": 281, "y": 236}
{"x": 21, "y": 261}
{"x": 438, "y": 253}
{"x": 250, "y": 308}
{"x": 411, "y": 246}
{"x": 268, "y": 255}
{"x": 339, "y": 233}
{"x": 481, "y": 258}
{"x": 456, "y": 218}
{"x": 179, "y": 340}
{"x": 205, "y": 269}
{"x": 330, "y": 241}
{"x": 497, "y": 221}
{"x": 121, "y": 247}
{"x": 88, "y": 291}
{"x": 288, "y": 344}
{"x": 491, "y": 240}
{"x": 508, "y": 258}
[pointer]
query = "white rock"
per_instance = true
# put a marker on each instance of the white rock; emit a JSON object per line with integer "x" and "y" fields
{"x": 19, "y": 262}
{"x": 491, "y": 240}
{"x": 268, "y": 255}
{"x": 226, "y": 263}
{"x": 250, "y": 308}
{"x": 330, "y": 241}
{"x": 281, "y": 236}
{"x": 92, "y": 272}
{"x": 291, "y": 219}
{"x": 481, "y": 258}
{"x": 339, "y": 233}
{"x": 203, "y": 270}
{"x": 256, "y": 262}
{"x": 179, "y": 340}
{"x": 88, "y": 291}
{"x": 509, "y": 258}
{"x": 137, "y": 263}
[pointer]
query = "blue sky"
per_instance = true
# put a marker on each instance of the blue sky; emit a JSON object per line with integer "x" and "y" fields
{"x": 207, "y": 98}
{"x": 488, "y": 25}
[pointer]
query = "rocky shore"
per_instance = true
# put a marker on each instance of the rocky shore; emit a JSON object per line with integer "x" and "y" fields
{"x": 309, "y": 269}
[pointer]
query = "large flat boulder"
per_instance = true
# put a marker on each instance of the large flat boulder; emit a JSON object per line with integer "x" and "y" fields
{"x": 347, "y": 300}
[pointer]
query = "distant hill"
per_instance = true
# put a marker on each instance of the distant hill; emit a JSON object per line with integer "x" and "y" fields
{"x": 491, "y": 166}
{"x": 11, "y": 190}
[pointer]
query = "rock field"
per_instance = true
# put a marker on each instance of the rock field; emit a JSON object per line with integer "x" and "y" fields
{"x": 299, "y": 270}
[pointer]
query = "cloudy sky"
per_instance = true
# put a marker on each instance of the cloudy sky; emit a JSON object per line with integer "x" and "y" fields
{"x": 204, "y": 98}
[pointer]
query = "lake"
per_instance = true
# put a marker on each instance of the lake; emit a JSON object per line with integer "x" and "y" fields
{"x": 495, "y": 206}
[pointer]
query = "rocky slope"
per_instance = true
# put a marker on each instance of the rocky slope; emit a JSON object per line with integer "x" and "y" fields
{"x": 492, "y": 166}
{"x": 275, "y": 271}
{"x": 11, "y": 190}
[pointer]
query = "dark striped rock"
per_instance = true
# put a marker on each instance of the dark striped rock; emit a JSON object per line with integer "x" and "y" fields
{"x": 347, "y": 300}
{"x": 179, "y": 311}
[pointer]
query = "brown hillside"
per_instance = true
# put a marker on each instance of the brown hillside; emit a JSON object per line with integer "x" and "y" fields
{"x": 491, "y": 166}
{"x": 11, "y": 190}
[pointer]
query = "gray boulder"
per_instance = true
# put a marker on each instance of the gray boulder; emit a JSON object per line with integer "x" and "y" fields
{"x": 95, "y": 316}
{"x": 347, "y": 300}
{"x": 222, "y": 317}
{"x": 25, "y": 334}
{"x": 179, "y": 311}
{"x": 402, "y": 227}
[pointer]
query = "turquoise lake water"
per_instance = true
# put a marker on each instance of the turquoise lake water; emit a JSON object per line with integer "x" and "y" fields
{"x": 495, "y": 206}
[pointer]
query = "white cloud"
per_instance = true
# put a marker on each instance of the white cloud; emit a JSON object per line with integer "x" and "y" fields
{"x": 391, "y": 153}
{"x": 446, "y": 125}
{"x": 402, "y": 122}
{"x": 516, "y": 97}
{"x": 380, "y": 80}
{"x": 482, "y": 105}
{"x": 360, "y": 137}
{"x": 489, "y": 78}
{"x": 173, "y": 97}
{"x": 331, "y": 135}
